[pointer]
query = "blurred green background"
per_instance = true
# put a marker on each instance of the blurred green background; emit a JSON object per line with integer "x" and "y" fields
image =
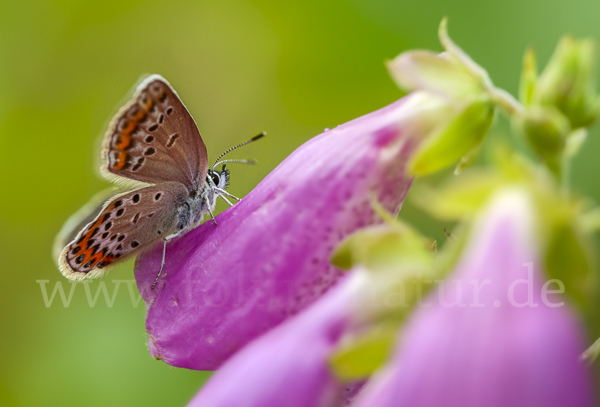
{"x": 290, "y": 68}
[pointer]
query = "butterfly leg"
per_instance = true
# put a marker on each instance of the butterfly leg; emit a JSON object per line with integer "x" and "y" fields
{"x": 162, "y": 263}
{"x": 223, "y": 192}
{"x": 225, "y": 199}
{"x": 210, "y": 212}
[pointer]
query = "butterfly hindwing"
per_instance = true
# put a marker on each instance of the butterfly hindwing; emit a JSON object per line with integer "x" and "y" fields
{"x": 79, "y": 220}
{"x": 154, "y": 139}
{"x": 127, "y": 224}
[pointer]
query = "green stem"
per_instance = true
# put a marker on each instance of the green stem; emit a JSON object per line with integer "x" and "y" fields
{"x": 505, "y": 101}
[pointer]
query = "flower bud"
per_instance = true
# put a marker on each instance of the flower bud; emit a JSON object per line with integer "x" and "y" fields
{"x": 567, "y": 82}
{"x": 546, "y": 129}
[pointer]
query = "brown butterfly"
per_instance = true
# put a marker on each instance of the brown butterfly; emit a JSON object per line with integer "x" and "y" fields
{"x": 152, "y": 145}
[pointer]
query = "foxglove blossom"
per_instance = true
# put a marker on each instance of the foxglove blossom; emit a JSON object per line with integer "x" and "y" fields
{"x": 287, "y": 366}
{"x": 268, "y": 258}
{"x": 494, "y": 333}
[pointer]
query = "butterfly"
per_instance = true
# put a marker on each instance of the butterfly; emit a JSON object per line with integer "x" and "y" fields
{"x": 153, "y": 146}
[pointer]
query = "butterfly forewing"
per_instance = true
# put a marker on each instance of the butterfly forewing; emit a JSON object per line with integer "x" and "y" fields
{"x": 155, "y": 139}
{"x": 127, "y": 224}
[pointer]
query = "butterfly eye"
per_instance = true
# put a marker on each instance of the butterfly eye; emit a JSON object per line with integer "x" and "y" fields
{"x": 215, "y": 177}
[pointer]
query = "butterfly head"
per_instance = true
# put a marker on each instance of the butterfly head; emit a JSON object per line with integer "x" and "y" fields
{"x": 218, "y": 179}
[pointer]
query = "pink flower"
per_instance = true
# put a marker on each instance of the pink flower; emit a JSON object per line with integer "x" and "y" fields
{"x": 503, "y": 339}
{"x": 288, "y": 365}
{"x": 268, "y": 258}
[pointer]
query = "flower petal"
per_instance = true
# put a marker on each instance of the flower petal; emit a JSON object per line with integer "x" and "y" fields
{"x": 500, "y": 341}
{"x": 288, "y": 365}
{"x": 268, "y": 257}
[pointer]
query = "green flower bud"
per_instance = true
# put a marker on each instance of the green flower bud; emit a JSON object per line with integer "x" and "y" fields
{"x": 546, "y": 129}
{"x": 567, "y": 82}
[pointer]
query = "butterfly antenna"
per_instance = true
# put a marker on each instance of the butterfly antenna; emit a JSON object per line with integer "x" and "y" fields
{"x": 249, "y": 162}
{"x": 257, "y": 137}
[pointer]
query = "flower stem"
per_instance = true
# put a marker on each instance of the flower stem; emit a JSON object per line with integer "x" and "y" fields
{"x": 505, "y": 101}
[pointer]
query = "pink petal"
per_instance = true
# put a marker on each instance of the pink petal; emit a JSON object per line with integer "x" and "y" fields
{"x": 269, "y": 256}
{"x": 288, "y": 365}
{"x": 498, "y": 354}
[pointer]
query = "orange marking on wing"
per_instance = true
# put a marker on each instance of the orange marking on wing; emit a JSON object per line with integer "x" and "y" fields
{"x": 86, "y": 256}
{"x": 139, "y": 116}
{"x": 130, "y": 126}
{"x": 87, "y": 251}
{"x": 135, "y": 120}
{"x": 84, "y": 243}
{"x": 124, "y": 142}
{"x": 149, "y": 105}
{"x": 109, "y": 259}
{"x": 96, "y": 259}
{"x": 89, "y": 256}
{"x": 120, "y": 161}
{"x": 88, "y": 235}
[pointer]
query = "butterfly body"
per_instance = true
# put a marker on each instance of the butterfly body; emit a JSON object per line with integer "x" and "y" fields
{"x": 153, "y": 146}
{"x": 199, "y": 203}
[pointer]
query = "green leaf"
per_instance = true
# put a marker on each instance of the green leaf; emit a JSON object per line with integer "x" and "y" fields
{"x": 446, "y": 145}
{"x": 363, "y": 356}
